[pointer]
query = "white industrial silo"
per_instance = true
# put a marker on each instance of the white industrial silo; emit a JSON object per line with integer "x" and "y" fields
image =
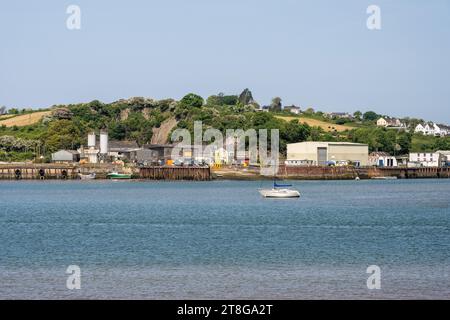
{"x": 103, "y": 142}
{"x": 91, "y": 140}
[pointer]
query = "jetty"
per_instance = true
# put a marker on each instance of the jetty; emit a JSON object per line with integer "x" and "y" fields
{"x": 30, "y": 171}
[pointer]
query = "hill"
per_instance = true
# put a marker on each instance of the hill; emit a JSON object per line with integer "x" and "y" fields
{"x": 23, "y": 120}
{"x": 326, "y": 126}
{"x": 146, "y": 120}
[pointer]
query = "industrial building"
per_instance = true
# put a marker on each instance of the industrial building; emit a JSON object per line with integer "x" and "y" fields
{"x": 65, "y": 156}
{"x": 325, "y": 153}
{"x": 95, "y": 153}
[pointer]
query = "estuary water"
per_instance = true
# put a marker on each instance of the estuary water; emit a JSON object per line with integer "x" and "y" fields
{"x": 221, "y": 240}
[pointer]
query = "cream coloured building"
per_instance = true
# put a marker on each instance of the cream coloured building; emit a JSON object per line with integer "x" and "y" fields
{"x": 322, "y": 153}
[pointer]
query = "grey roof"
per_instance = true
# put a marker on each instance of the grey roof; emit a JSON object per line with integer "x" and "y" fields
{"x": 117, "y": 144}
{"x": 74, "y": 152}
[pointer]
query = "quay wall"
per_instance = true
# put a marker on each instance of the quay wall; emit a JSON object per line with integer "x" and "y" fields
{"x": 175, "y": 173}
{"x": 346, "y": 173}
{"x": 67, "y": 172}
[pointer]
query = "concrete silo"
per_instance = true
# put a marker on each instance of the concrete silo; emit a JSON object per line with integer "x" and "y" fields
{"x": 91, "y": 140}
{"x": 103, "y": 142}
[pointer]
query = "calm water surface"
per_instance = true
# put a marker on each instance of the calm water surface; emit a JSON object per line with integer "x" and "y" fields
{"x": 222, "y": 240}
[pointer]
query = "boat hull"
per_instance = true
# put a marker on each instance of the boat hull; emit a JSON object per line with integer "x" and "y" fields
{"x": 279, "y": 193}
{"x": 87, "y": 176}
{"x": 119, "y": 176}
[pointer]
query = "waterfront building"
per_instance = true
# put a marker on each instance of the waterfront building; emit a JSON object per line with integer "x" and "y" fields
{"x": 426, "y": 159}
{"x": 323, "y": 153}
{"x": 446, "y": 155}
{"x": 121, "y": 150}
{"x": 382, "y": 159}
{"x": 66, "y": 156}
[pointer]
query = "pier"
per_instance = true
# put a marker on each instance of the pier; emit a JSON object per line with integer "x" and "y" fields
{"x": 175, "y": 173}
{"x": 347, "y": 173}
{"x": 37, "y": 172}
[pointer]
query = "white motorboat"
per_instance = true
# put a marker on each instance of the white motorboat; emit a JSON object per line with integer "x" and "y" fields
{"x": 384, "y": 178}
{"x": 280, "y": 191}
{"x": 90, "y": 176}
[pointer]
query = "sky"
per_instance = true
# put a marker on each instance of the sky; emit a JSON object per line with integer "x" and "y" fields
{"x": 310, "y": 53}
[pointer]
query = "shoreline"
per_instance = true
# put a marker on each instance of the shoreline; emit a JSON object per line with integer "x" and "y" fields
{"x": 251, "y": 173}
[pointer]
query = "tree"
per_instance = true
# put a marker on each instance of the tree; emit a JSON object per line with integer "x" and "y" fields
{"x": 309, "y": 111}
{"x": 192, "y": 100}
{"x": 62, "y": 134}
{"x": 357, "y": 115}
{"x": 293, "y": 132}
{"x": 370, "y": 116}
{"x": 62, "y": 113}
{"x": 222, "y": 100}
{"x": 276, "y": 104}
{"x": 442, "y": 143}
{"x": 13, "y": 111}
{"x": 214, "y": 100}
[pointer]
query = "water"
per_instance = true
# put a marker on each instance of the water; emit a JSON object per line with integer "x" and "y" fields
{"x": 158, "y": 240}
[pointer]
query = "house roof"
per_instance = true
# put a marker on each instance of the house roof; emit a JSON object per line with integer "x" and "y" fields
{"x": 74, "y": 152}
{"x": 330, "y": 143}
{"x": 379, "y": 154}
{"x": 122, "y": 145}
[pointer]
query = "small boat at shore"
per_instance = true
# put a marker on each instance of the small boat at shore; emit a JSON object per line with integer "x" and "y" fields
{"x": 90, "y": 176}
{"x": 280, "y": 192}
{"x": 384, "y": 178}
{"x": 118, "y": 176}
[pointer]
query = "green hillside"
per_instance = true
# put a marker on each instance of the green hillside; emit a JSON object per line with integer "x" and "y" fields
{"x": 139, "y": 119}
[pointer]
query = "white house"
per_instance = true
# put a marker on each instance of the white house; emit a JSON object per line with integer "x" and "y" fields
{"x": 384, "y": 122}
{"x": 293, "y": 109}
{"x": 426, "y": 159}
{"x": 432, "y": 129}
{"x": 338, "y": 115}
{"x": 382, "y": 159}
{"x": 419, "y": 129}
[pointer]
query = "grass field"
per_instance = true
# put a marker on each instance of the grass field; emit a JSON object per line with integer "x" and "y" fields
{"x": 422, "y": 143}
{"x": 326, "y": 126}
{"x": 25, "y": 119}
{"x": 6, "y": 116}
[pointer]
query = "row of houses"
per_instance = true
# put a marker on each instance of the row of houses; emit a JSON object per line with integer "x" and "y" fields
{"x": 433, "y": 129}
{"x": 390, "y": 122}
{"x": 429, "y": 129}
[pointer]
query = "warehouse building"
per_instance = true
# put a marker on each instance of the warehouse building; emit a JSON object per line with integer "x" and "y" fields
{"x": 324, "y": 153}
{"x": 66, "y": 156}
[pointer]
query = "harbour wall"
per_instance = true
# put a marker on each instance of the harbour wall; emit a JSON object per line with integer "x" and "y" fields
{"x": 175, "y": 173}
{"x": 70, "y": 172}
{"x": 346, "y": 173}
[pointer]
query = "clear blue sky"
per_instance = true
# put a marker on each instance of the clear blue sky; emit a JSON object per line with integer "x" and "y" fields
{"x": 311, "y": 53}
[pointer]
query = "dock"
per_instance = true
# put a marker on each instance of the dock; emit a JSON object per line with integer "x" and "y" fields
{"x": 175, "y": 173}
{"x": 37, "y": 172}
{"x": 70, "y": 172}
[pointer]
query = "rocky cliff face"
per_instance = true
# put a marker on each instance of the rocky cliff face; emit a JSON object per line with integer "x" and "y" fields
{"x": 246, "y": 97}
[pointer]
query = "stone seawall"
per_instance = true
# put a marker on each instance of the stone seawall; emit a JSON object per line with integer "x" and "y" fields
{"x": 347, "y": 173}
